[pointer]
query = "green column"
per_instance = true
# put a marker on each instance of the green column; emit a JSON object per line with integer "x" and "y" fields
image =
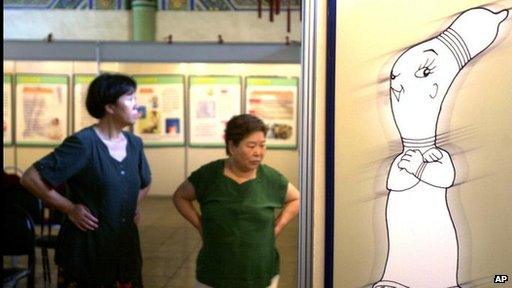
{"x": 143, "y": 12}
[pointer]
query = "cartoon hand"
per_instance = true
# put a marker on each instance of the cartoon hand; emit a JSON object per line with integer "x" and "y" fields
{"x": 411, "y": 161}
{"x": 433, "y": 155}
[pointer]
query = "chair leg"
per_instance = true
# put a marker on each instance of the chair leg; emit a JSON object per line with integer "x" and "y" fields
{"x": 46, "y": 267}
{"x": 48, "y": 271}
{"x": 32, "y": 267}
{"x": 61, "y": 283}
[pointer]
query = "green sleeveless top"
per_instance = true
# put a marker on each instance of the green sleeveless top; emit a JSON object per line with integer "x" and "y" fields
{"x": 238, "y": 226}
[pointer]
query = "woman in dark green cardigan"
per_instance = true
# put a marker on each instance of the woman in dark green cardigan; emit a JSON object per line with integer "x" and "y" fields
{"x": 107, "y": 175}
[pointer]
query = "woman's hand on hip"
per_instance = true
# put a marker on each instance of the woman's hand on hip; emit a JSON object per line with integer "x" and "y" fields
{"x": 137, "y": 218}
{"x": 82, "y": 217}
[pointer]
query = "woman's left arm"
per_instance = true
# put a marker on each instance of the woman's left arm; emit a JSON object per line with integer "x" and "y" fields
{"x": 145, "y": 178}
{"x": 142, "y": 194}
{"x": 290, "y": 209}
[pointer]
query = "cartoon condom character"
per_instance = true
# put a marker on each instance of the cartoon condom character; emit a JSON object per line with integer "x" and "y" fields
{"x": 422, "y": 240}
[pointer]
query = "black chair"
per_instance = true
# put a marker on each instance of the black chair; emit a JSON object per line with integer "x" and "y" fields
{"x": 16, "y": 194}
{"x": 18, "y": 240}
{"x": 47, "y": 239}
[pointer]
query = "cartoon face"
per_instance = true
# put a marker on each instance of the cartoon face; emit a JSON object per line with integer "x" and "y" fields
{"x": 419, "y": 81}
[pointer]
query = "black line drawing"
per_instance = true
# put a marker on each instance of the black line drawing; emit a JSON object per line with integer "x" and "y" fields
{"x": 422, "y": 238}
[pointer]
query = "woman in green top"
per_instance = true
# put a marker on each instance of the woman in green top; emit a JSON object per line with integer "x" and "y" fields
{"x": 237, "y": 197}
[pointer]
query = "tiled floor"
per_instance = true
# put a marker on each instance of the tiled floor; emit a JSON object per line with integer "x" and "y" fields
{"x": 170, "y": 246}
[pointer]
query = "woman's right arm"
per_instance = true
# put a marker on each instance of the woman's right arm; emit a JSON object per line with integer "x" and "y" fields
{"x": 79, "y": 214}
{"x": 183, "y": 199}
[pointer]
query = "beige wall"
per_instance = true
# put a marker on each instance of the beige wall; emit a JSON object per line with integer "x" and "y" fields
{"x": 117, "y": 25}
{"x": 67, "y": 25}
{"x": 169, "y": 165}
{"x": 233, "y": 26}
{"x": 477, "y": 113}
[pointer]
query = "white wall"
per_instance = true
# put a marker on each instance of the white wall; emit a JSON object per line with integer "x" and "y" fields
{"x": 117, "y": 25}
{"x": 67, "y": 25}
{"x": 233, "y": 26}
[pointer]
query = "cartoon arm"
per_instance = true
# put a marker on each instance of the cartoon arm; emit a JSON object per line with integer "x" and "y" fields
{"x": 398, "y": 178}
{"x": 435, "y": 167}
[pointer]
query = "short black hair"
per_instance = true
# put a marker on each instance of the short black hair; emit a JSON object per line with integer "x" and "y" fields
{"x": 106, "y": 89}
{"x": 241, "y": 126}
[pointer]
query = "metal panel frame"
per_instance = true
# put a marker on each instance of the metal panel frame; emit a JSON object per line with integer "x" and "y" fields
{"x": 306, "y": 144}
{"x": 330, "y": 143}
{"x": 152, "y": 52}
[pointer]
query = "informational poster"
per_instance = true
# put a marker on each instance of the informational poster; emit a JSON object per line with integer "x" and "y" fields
{"x": 41, "y": 109}
{"x": 162, "y": 109}
{"x": 81, "y": 117}
{"x": 213, "y": 101}
{"x": 274, "y": 100}
{"x": 421, "y": 144}
{"x": 7, "y": 109}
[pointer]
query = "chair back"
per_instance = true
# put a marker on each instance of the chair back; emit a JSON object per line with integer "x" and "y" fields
{"x": 19, "y": 233}
{"x": 50, "y": 217}
{"x": 18, "y": 240}
{"x": 15, "y": 194}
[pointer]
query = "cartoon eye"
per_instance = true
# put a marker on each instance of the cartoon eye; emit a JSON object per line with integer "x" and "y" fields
{"x": 423, "y": 72}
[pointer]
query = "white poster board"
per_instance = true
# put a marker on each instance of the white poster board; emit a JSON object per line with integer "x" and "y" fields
{"x": 213, "y": 101}
{"x": 161, "y": 105}
{"x": 41, "y": 109}
{"x": 7, "y": 110}
{"x": 81, "y": 118}
{"x": 274, "y": 100}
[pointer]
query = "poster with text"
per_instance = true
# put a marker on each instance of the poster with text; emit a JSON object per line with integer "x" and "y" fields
{"x": 213, "y": 101}
{"x": 274, "y": 100}
{"x": 7, "y": 109}
{"x": 81, "y": 118}
{"x": 41, "y": 109}
{"x": 162, "y": 109}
